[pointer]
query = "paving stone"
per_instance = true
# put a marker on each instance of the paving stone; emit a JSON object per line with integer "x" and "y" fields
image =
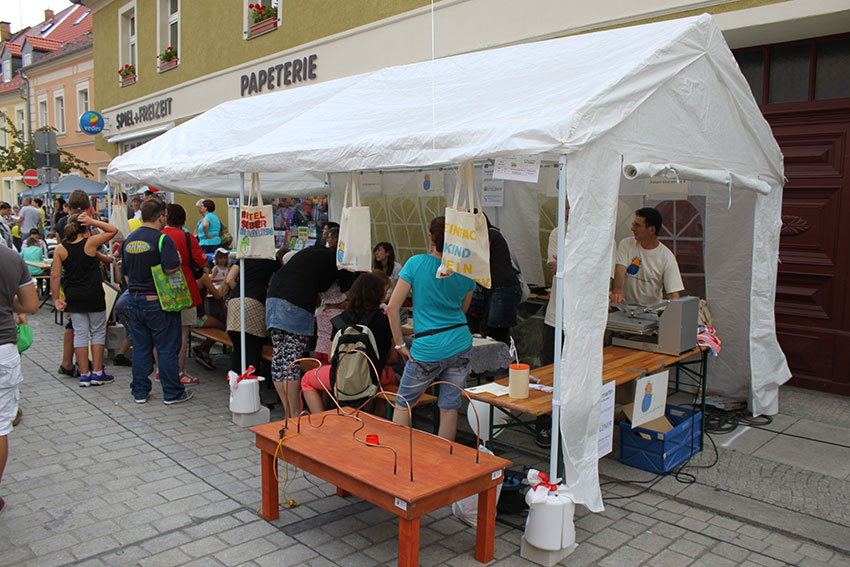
{"x": 669, "y": 558}
{"x": 815, "y": 552}
{"x": 609, "y": 538}
{"x": 237, "y": 554}
{"x": 712, "y": 560}
{"x": 687, "y": 547}
{"x": 625, "y": 557}
{"x": 650, "y": 543}
{"x": 293, "y": 555}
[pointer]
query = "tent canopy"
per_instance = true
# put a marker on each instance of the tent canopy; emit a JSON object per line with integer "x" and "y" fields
{"x": 65, "y": 185}
{"x": 664, "y": 93}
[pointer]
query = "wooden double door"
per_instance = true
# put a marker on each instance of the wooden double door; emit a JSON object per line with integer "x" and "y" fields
{"x": 813, "y": 287}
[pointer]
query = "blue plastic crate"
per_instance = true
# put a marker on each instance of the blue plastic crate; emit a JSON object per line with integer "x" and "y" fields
{"x": 662, "y": 452}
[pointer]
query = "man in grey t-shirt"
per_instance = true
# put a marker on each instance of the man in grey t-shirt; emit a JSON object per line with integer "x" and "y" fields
{"x": 17, "y": 295}
{"x": 30, "y": 218}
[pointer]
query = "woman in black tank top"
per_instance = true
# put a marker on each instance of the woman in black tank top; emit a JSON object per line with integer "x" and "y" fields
{"x": 79, "y": 256}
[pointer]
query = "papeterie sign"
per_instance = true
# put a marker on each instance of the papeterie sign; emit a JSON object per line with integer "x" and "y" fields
{"x": 282, "y": 74}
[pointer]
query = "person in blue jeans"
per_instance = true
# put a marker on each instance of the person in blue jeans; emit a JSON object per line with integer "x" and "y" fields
{"x": 442, "y": 343}
{"x": 150, "y": 326}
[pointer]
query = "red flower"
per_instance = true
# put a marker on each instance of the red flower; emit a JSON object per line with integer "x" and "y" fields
{"x": 169, "y": 48}
{"x": 127, "y": 66}
{"x": 260, "y": 8}
{"x": 251, "y": 6}
{"x": 157, "y": 56}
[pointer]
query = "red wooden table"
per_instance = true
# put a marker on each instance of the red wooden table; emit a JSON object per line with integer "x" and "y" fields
{"x": 443, "y": 472}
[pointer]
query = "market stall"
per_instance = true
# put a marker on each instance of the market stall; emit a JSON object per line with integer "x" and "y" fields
{"x": 665, "y": 98}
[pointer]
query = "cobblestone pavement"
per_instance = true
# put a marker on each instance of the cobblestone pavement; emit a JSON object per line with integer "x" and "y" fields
{"x": 95, "y": 479}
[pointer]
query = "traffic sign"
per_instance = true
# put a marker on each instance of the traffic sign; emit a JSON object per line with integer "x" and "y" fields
{"x": 31, "y": 177}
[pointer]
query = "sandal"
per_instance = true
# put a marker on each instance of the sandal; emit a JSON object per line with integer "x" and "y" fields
{"x": 203, "y": 358}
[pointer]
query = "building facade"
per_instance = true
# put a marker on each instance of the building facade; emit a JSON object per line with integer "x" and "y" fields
{"x": 795, "y": 54}
{"x": 47, "y": 80}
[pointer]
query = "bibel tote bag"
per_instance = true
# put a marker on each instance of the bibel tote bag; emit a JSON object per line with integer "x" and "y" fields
{"x": 466, "y": 248}
{"x": 256, "y": 226}
{"x": 354, "y": 250}
{"x": 172, "y": 289}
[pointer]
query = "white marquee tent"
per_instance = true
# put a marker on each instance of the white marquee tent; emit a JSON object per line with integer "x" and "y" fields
{"x": 653, "y": 95}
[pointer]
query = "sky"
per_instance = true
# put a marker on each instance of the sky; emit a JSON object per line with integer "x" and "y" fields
{"x": 23, "y": 13}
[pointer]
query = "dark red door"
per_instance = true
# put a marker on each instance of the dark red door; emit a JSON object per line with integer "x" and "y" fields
{"x": 812, "y": 307}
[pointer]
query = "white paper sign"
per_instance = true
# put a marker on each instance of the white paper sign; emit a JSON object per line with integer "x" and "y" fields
{"x": 233, "y": 202}
{"x": 430, "y": 184}
{"x": 518, "y": 168}
{"x": 664, "y": 186}
{"x": 606, "y": 419}
{"x": 370, "y": 184}
{"x": 650, "y": 398}
{"x": 492, "y": 190}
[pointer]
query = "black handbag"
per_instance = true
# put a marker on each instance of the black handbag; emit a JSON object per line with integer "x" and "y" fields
{"x": 197, "y": 271}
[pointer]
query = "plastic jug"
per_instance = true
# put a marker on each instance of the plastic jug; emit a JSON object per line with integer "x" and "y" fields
{"x": 244, "y": 391}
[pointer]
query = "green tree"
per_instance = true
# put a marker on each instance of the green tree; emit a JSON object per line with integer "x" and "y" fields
{"x": 19, "y": 154}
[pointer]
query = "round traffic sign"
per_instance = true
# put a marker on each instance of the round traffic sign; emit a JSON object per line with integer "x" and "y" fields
{"x": 31, "y": 177}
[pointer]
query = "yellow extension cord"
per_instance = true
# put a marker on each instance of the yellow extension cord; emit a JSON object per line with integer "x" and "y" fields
{"x": 284, "y": 484}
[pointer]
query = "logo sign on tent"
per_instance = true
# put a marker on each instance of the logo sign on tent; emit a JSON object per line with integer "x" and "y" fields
{"x": 91, "y": 122}
{"x": 31, "y": 177}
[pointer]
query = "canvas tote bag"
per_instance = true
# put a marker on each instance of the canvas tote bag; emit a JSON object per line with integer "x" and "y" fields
{"x": 118, "y": 216}
{"x": 466, "y": 248}
{"x": 354, "y": 250}
{"x": 256, "y": 226}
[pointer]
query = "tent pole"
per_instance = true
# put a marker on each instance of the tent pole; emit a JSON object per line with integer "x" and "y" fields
{"x": 241, "y": 278}
{"x": 559, "y": 320}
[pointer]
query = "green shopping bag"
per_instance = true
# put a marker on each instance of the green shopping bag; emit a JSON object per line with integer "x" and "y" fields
{"x": 24, "y": 337}
{"x": 172, "y": 289}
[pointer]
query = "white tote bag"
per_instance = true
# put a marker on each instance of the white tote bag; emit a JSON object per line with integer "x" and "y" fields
{"x": 256, "y": 226}
{"x": 118, "y": 216}
{"x": 354, "y": 250}
{"x": 466, "y": 248}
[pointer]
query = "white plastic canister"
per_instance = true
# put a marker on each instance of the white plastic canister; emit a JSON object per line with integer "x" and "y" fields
{"x": 245, "y": 393}
{"x": 549, "y": 525}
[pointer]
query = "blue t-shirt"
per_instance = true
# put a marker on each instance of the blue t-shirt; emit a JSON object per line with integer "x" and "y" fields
{"x": 437, "y": 303}
{"x": 140, "y": 252}
{"x": 214, "y": 230}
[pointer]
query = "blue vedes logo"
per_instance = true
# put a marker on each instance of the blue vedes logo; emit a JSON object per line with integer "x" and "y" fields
{"x": 91, "y": 122}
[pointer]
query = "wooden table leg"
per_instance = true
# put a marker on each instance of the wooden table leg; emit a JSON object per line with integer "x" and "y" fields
{"x": 270, "y": 499}
{"x": 408, "y": 542}
{"x": 342, "y": 493}
{"x": 485, "y": 537}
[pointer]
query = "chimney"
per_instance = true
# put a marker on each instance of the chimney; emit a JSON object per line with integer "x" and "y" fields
{"x": 48, "y": 15}
{"x": 5, "y": 31}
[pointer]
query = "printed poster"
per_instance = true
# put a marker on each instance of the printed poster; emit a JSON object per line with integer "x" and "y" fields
{"x": 650, "y": 398}
{"x": 370, "y": 184}
{"x": 492, "y": 190}
{"x": 430, "y": 183}
{"x": 667, "y": 188}
{"x": 518, "y": 168}
{"x": 605, "y": 439}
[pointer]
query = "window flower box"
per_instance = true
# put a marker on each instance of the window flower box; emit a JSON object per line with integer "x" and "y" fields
{"x": 264, "y": 18}
{"x": 168, "y": 65}
{"x": 127, "y": 74}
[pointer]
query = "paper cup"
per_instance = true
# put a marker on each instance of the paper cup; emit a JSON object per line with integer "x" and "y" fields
{"x": 518, "y": 381}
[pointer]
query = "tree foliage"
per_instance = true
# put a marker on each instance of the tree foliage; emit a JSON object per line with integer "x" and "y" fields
{"x": 19, "y": 154}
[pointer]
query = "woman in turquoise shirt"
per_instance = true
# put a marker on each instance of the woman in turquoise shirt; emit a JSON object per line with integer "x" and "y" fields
{"x": 209, "y": 227}
{"x": 443, "y": 344}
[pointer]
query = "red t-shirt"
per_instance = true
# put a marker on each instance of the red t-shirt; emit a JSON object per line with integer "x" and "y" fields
{"x": 179, "y": 238}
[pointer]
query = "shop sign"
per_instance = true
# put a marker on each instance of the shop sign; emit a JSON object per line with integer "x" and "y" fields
{"x": 91, "y": 122}
{"x": 282, "y": 74}
{"x": 144, "y": 113}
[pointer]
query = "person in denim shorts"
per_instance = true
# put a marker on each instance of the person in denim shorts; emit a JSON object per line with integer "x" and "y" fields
{"x": 442, "y": 345}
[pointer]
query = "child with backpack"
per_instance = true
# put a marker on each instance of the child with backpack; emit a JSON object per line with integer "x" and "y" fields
{"x": 84, "y": 297}
{"x": 362, "y": 326}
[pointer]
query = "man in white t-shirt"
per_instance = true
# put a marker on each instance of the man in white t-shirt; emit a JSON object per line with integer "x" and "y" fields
{"x": 645, "y": 268}
{"x": 30, "y": 217}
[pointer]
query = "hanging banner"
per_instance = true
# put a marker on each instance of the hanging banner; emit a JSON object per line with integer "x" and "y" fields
{"x": 492, "y": 190}
{"x": 518, "y": 168}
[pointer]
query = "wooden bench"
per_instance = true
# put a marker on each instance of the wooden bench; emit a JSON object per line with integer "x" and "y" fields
{"x": 425, "y": 399}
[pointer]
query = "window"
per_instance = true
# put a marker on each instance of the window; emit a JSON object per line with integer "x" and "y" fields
{"x": 7, "y": 70}
{"x": 43, "y": 119}
{"x": 168, "y": 29}
{"x": 19, "y": 119}
{"x": 4, "y": 140}
{"x": 803, "y": 71}
{"x": 83, "y": 17}
{"x": 127, "y": 35}
{"x": 82, "y": 101}
{"x": 27, "y": 59}
{"x": 59, "y": 113}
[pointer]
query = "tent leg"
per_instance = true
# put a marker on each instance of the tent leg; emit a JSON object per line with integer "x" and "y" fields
{"x": 241, "y": 281}
{"x": 554, "y": 452}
